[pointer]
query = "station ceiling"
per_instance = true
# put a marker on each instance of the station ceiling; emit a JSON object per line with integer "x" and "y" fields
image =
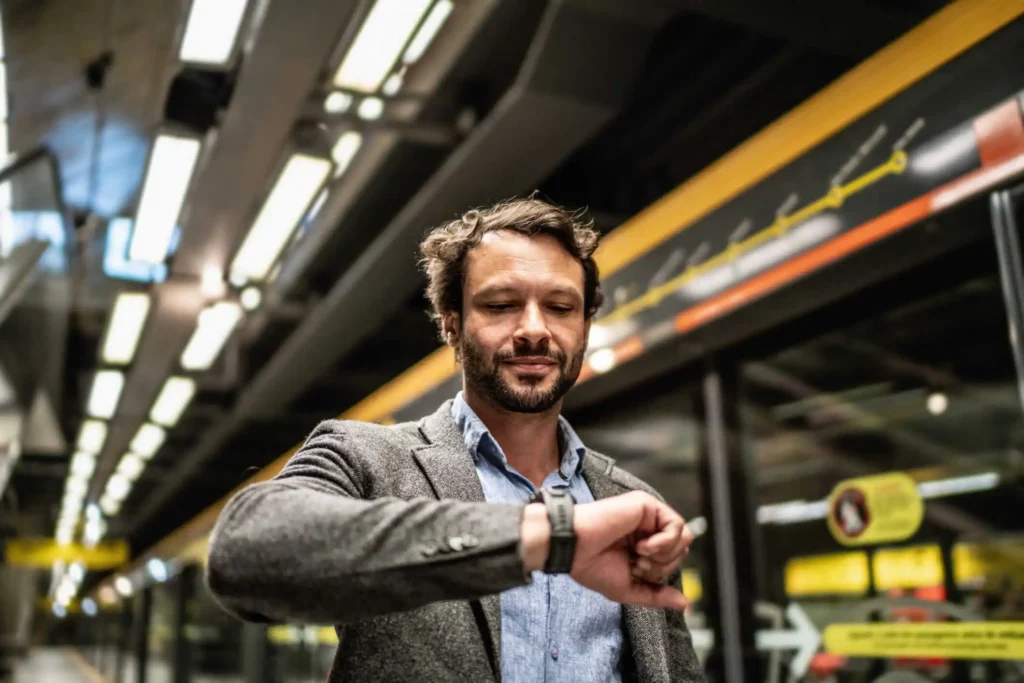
{"x": 597, "y": 105}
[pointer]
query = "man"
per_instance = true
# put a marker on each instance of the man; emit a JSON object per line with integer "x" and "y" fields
{"x": 449, "y": 549}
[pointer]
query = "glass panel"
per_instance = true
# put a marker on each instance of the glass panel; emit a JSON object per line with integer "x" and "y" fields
{"x": 901, "y": 574}
{"x": 654, "y": 432}
{"x": 301, "y": 654}
{"x": 159, "y": 664}
{"x": 215, "y": 638}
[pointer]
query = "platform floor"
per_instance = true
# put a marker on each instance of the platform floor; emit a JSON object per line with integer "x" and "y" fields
{"x": 44, "y": 665}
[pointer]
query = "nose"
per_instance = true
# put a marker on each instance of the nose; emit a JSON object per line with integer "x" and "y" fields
{"x": 532, "y": 330}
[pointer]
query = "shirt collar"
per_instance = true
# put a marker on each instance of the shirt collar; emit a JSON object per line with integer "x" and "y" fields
{"x": 481, "y": 443}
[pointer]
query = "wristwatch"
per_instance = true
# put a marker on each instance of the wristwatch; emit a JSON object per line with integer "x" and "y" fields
{"x": 559, "y": 503}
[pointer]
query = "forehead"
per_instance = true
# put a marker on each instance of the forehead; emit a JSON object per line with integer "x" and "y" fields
{"x": 506, "y": 258}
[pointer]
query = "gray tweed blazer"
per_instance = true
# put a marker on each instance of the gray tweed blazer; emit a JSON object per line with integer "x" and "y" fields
{"x": 384, "y": 533}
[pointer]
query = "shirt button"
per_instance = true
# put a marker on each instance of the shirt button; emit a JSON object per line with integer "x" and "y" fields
{"x": 455, "y": 543}
{"x": 554, "y": 652}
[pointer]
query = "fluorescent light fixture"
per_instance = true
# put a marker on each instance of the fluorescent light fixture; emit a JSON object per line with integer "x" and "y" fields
{"x": 76, "y": 572}
{"x": 215, "y": 325}
{"x": 64, "y": 536}
{"x": 698, "y": 526}
{"x": 115, "y": 256}
{"x": 71, "y": 506}
{"x": 371, "y": 108}
{"x": 344, "y": 150}
{"x": 125, "y": 328}
{"x": 211, "y": 31}
{"x": 148, "y": 440}
{"x": 298, "y": 184}
{"x": 106, "y": 392}
{"x": 602, "y": 360}
{"x": 211, "y": 284}
{"x": 76, "y": 487}
{"x": 955, "y": 485}
{"x": 94, "y": 531}
{"x": 157, "y": 569}
{"x": 83, "y": 465}
{"x": 251, "y": 298}
{"x": 337, "y": 103}
{"x": 937, "y": 403}
{"x": 792, "y": 512}
{"x": 91, "y": 436}
{"x": 379, "y": 43}
{"x": 123, "y": 585}
{"x": 172, "y": 401}
{"x": 131, "y": 466}
{"x": 118, "y": 486}
{"x": 425, "y": 36}
{"x": 93, "y": 512}
{"x": 167, "y": 178}
{"x": 392, "y": 85}
{"x": 110, "y": 506}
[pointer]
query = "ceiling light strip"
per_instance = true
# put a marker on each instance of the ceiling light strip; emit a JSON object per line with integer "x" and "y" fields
{"x": 297, "y": 185}
{"x": 168, "y": 175}
{"x": 125, "y": 328}
{"x": 212, "y": 31}
{"x": 379, "y": 44}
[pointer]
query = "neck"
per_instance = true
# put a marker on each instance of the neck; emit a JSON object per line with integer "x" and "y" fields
{"x": 528, "y": 440}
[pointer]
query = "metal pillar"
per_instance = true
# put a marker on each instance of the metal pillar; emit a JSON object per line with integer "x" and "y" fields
{"x": 140, "y": 635}
{"x": 728, "y": 481}
{"x": 255, "y": 654}
{"x": 123, "y": 641}
{"x": 181, "y": 655}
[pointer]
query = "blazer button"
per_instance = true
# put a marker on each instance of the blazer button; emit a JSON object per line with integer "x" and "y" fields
{"x": 455, "y": 543}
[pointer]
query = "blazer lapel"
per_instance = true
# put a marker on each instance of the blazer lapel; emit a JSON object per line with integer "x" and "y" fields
{"x": 645, "y": 627}
{"x": 448, "y": 466}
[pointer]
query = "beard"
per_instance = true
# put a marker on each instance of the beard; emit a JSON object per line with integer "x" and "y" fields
{"x": 484, "y": 376}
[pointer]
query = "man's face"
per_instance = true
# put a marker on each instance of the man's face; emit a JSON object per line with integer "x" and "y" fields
{"x": 523, "y": 331}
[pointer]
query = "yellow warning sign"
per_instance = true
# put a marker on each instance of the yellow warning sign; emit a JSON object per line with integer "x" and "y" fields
{"x": 879, "y": 509}
{"x": 948, "y": 640}
{"x": 44, "y": 552}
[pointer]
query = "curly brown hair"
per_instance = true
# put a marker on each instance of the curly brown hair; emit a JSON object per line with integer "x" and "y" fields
{"x": 444, "y": 249}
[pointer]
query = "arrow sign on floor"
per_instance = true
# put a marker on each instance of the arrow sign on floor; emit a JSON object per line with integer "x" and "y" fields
{"x": 805, "y": 639}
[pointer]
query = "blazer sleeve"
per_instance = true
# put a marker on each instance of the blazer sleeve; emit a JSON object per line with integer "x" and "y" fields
{"x": 307, "y": 547}
{"x": 682, "y": 658}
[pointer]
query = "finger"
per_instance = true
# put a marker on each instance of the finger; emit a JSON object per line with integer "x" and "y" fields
{"x": 655, "y": 572}
{"x": 655, "y": 595}
{"x": 663, "y": 542}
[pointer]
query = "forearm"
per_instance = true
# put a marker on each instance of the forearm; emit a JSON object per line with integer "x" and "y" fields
{"x": 287, "y": 552}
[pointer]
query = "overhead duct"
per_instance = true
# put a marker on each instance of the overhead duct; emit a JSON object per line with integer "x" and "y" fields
{"x": 575, "y": 77}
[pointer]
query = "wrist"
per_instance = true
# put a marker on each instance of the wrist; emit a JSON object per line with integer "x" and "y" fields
{"x": 536, "y": 536}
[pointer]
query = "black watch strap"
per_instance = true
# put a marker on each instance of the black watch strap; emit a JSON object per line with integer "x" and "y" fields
{"x": 559, "y": 503}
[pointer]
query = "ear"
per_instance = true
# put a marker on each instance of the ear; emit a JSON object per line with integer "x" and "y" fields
{"x": 450, "y": 326}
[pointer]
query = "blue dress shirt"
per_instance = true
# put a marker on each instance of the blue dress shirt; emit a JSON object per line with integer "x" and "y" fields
{"x": 553, "y": 630}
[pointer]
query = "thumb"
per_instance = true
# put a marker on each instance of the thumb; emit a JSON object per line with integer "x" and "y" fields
{"x": 655, "y": 595}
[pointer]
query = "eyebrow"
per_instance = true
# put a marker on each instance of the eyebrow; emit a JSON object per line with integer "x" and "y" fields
{"x": 498, "y": 290}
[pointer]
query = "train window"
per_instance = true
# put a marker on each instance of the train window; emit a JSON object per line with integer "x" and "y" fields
{"x": 654, "y": 432}
{"x": 887, "y": 453}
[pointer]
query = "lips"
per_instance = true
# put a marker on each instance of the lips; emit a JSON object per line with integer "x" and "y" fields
{"x": 531, "y": 364}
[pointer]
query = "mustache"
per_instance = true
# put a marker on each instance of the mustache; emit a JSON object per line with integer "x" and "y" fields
{"x": 551, "y": 354}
